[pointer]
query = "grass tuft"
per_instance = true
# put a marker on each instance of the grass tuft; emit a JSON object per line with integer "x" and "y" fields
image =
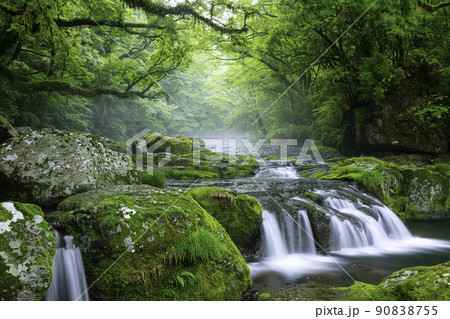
{"x": 157, "y": 178}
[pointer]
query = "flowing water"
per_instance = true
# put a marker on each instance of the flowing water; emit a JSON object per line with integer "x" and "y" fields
{"x": 69, "y": 280}
{"x": 349, "y": 234}
{"x": 362, "y": 239}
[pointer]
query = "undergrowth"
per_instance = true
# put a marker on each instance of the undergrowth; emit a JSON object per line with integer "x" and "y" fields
{"x": 199, "y": 246}
{"x": 157, "y": 178}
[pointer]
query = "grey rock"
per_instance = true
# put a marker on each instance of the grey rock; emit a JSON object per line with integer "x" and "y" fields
{"x": 46, "y": 166}
{"x": 27, "y": 247}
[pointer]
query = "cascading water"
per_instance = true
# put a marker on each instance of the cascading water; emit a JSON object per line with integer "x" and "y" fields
{"x": 356, "y": 228}
{"x": 287, "y": 234}
{"x": 69, "y": 280}
{"x": 284, "y": 172}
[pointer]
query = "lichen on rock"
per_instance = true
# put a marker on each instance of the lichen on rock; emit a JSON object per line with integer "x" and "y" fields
{"x": 48, "y": 165}
{"x": 27, "y": 247}
{"x": 421, "y": 283}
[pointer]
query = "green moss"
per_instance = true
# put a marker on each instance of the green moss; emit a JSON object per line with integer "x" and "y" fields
{"x": 5, "y": 214}
{"x": 311, "y": 195}
{"x": 189, "y": 173}
{"x": 271, "y": 158}
{"x": 412, "y": 192}
{"x": 157, "y": 178}
{"x": 199, "y": 246}
{"x": 264, "y": 296}
{"x": 167, "y": 234}
{"x": 178, "y": 144}
{"x": 240, "y": 215}
{"x": 359, "y": 291}
{"x": 210, "y": 165}
{"x": 28, "y": 247}
{"x": 409, "y": 284}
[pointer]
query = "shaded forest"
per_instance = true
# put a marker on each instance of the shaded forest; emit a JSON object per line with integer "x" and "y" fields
{"x": 357, "y": 75}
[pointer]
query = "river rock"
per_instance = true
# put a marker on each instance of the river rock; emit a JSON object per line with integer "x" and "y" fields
{"x": 426, "y": 190}
{"x": 46, "y": 166}
{"x": 387, "y": 131}
{"x": 240, "y": 215}
{"x": 21, "y": 130}
{"x": 6, "y": 130}
{"x": 27, "y": 247}
{"x": 320, "y": 225}
{"x": 146, "y": 243}
{"x": 418, "y": 284}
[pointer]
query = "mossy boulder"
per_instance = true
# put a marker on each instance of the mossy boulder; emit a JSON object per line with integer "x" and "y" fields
{"x": 207, "y": 164}
{"x": 177, "y": 144}
{"x": 388, "y": 131}
{"x": 410, "y": 188}
{"x": 145, "y": 243}
{"x": 420, "y": 283}
{"x": 22, "y": 130}
{"x": 426, "y": 190}
{"x": 27, "y": 247}
{"x": 240, "y": 215}
{"x": 46, "y": 166}
{"x": 6, "y": 130}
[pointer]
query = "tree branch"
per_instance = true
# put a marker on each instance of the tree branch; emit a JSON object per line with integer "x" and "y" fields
{"x": 432, "y": 8}
{"x": 23, "y": 84}
{"x": 90, "y": 22}
{"x": 180, "y": 10}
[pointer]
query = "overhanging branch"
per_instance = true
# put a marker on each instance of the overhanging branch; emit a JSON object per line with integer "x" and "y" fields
{"x": 432, "y": 8}
{"x": 182, "y": 10}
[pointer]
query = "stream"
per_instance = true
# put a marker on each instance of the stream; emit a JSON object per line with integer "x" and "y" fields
{"x": 357, "y": 237}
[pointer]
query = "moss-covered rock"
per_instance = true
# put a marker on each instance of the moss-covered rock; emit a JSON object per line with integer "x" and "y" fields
{"x": 6, "y": 130}
{"x": 410, "y": 284}
{"x": 22, "y": 130}
{"x": 388, "y": 131}
{"x": 27, "y": 247}
{"x": 426, "y": 190}
{"x": 240, "y": 215}
{"x": 410, "y": 188}
{"x": 320, "y": 225}
{"x": 207, "y": 164}
{"x": 178, "y": 144}
{"x": 175, "y": 250}
{"x": 46, "y": 166}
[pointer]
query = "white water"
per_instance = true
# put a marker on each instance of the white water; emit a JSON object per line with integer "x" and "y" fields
{"x": 288, "y": 245}
{"x": 287, "y": 234}
{"x": 285, "y": 172}
{"x": 69, "y": 280}
{"x": 355, "y": 228}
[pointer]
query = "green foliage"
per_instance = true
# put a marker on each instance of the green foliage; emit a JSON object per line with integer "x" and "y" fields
{"x": 264, "y": 296}
{"x": 156, "y": 178}
{"x": 199, "y": 246}
{"x": 184, "y": 279}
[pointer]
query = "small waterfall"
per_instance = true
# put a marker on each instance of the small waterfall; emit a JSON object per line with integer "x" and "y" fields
{"x": 356, "y": 227}
{"x": 285, "y": 234}
{"x": 285, "y": 172}
{"x": 69, "y": 280}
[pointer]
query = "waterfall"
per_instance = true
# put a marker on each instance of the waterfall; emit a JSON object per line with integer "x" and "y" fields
{"x": 285, "y": 172}
{"x": 355, "y": 227}
{"x": 69, "y": 280}
{"x": 286, "y": 234}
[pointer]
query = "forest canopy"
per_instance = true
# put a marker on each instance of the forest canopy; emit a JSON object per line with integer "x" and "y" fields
{"x": 326, "y": 70}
